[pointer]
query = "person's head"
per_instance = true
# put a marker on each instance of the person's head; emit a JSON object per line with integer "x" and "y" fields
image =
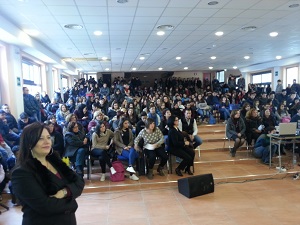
{"x": 123, "y": 123}
{"x": 71, "y": 118}
{"x": 150, "y": 124}
{"x": 24, "y": 117}
{"x": 115, "y": 106}
{"x": 283, "y": 91}
{"x": 294, "y": 81}
{"x": 100, "y": 128}
{"x": 25, "y": 90}
{"x": 73, "y": 127}
{"x": 166, "y": 113}
{"x": 63, "y": 108}
{"x": 35, "y": 142}
{"x": 173, "y": 121}
{"x": 298, "y": 109}
{"x": 144, "y": 116}
{"x": 267, "y": 113}
{"x": 253, "y": 113}
{"x": 98, "y": 115}
{"x": 235, "y": 114}
{"x": 52, "y": 118}
{"x": 270, "y": 130}
{"x": 50, "y": 126}
{"x": 278, "y": 81}
{"x": 2, "y": 115}
{"x": 130, "y": 111}
{"x": 188, "y": 114}
{"x": 5, "y": 108}
{"x": 281, "y": 107}
{"x": 152, "y": 109}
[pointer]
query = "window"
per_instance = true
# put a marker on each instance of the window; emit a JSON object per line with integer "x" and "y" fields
{"x": 31, "y": 76}
{"x": 220, "y": 76}
{"x": 262, "y": 78}
{"x": 291, "y": 74}
{"x": 64, "y": 81}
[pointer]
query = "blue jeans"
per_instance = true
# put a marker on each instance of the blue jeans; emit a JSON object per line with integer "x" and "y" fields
{"x": 79, "y": 157}
{"x": 103, "y": 157}
{"x": 264, "y": 153}
{"x": 197, "y": 141}
{"x": 131, "y": 155}
{"x": 225, "y": 112}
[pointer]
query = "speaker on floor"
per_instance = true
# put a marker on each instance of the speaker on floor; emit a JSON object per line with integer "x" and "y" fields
{"x": 196, "y": 185}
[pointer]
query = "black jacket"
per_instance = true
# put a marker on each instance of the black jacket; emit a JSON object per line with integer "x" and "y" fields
{"x": 33, "y": 184}
{"x": 73, "y": 142}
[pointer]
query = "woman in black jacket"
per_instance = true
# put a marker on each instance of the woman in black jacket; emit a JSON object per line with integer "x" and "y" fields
{"x": 46, "y": 187}
{"x": 180, "y": 146}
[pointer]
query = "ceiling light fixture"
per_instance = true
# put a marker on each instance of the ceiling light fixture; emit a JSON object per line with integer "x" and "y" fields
{"x": 73, "y": 26}
{"x": 98, "y": 33}
{"x": 213, "y": 57}
{"x": 133, "y": 68}
{"x": 142, "y": 58}
{"x": 122, "y": 1}
{"x": 246, "y": 57}
{"x": 178, "y": 58}
{"x": 186, "y": 68}
{"x": 104, "y": 58}
{"x": 106, "y": 69}
{"x": 273, "y": 34}
{"x": 294, "y": 6}
{"x": 165, "y": 27}
{"x": 219, "y": 33}
{"x": 210, "y": 67}
{"x": 279, "y": 57}
{"x": 234, "y": 67}
{"x": 249, "y": 28}
{"x": 213, "y": 3}
{"x": 160, "y": 68}
{"x": 160, "y": 33}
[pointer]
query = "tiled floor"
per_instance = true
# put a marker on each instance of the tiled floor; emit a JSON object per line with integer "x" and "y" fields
{"x": 259, "y": 202}
{"x": 246, "y": 192}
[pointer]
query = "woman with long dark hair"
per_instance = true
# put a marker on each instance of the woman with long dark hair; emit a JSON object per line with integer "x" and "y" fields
{"x": 46, "y": 187}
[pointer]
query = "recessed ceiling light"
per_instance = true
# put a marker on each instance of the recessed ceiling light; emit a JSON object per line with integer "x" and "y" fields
{"x": 142, "y": 58}
{"x": 213, "y": 3}
{"x": 98, "y": 32}
{"x": 249, "y": 28}
{"x": 104, "y": 58}
{"x": 89, "y": 53}
{"x": 273, "y": 34}
{"x": 32, "y": 32}
{"x": 133, "y": 68}
{"x": 210, "y": 67}
{"x": 279, "y": 57}
{"x": 160, "y": 68}
{"x": 165, "y": 27}
{"x": 106, "y": 69}
{"x": 246, "y": 57}
{"x": 219, "y": 33}
{"x": 122, "y": 1}
{"x": 234, "y": 67}
{"x": 178, "y": 58}
{"x": 186, "y": 68}
{"x": 160, "y": 33}
{"x": 294, "y": 6}
{"x": 73, "y": 26}
{"x": 225, "y": 70}
{"x": 213, "y": 57}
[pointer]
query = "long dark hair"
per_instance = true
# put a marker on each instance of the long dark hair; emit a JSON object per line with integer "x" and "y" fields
{"x": 29, "y": 138}
{"x": 121, "y": 122}
{"x": 97, "y": 129}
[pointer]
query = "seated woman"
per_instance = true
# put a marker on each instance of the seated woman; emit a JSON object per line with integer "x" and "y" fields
{"x": 153, "y": 140}
{"x": 268, "y": 119}
{"x": 56, "y": 138}
{"x": 102, "y": 139}
{"x": 70, "y": 118}
{"x": 99, "y": 117}
{"x": 235, "y": 130}
{"x": 83, "y": 116}
{"x": 61, "y": 114}
{"x": 123, "y": 140}
{"x": 224, "y": 108}
{"x": 180, "y": 147}
{"x": 254, "y": 126}
{"x": 76, "y": 146}
{"x": 262, "y": 146}
{"x": 282, "y": 115}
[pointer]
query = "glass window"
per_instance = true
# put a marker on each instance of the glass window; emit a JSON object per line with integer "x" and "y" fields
{"x": 262, "y": 78}
{"x": 31, "y": 72}
{"x": 220, "y": 76}
{"x": 291, "y": 74}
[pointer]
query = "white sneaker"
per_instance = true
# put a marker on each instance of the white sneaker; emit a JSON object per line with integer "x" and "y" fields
{"x": 282, "y": 169}
{"x": 130, "y": 169}
{"x": 112, "y": 170}
{"x": 102, "y": 177}
{"x": 134, "y": 177}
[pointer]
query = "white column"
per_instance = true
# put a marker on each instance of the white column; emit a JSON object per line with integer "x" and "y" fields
{"x": 50, "y": 83}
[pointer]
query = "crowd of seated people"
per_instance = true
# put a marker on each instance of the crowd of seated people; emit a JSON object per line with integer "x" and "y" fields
{"x": 123, "y": 108}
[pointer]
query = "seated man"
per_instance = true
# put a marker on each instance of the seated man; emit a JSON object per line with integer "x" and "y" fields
{"x": 24, "y": 121}
{"x": 189, "y": 125}
{"x": 11, "y": 120}
{"x": 262, "y": 145}
{"x": 8, "y": 134}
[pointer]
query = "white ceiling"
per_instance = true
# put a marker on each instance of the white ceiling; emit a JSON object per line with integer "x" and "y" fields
{"x": 129, "y": 30}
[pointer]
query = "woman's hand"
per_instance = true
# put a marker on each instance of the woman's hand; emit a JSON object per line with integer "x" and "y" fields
{"x": 60, "y": 194}
{"x": 187, "y": 143}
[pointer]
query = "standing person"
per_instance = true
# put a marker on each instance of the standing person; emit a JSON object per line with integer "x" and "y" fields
{"x": 180, "y": 147}
{"x": 102, "y": 139}
{"x": 31, "y": 105}
{"x": 123, "y": 140}
{"x": 46, "y": 187}
{"x": 235, "y": 130}
{"x": 279, "y": 87}
{"x": 189, "y": 125}
{"x": 153, "y": 140}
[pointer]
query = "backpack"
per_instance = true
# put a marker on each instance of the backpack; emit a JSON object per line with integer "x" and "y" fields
{"x": 120, "y": 174}
{"x": 212, "y": 120}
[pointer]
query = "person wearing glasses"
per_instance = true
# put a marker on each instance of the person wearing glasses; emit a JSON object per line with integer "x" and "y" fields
{"x": 180, "y": 147}
{"x": 76, "y": 146}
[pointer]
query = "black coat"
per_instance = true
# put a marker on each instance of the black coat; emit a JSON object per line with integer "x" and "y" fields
{"x": 73, "y": 142}
{"x": 33, "y": 184}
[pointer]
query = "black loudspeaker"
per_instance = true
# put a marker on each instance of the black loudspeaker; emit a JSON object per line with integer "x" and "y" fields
{"x": 196, "y": 185}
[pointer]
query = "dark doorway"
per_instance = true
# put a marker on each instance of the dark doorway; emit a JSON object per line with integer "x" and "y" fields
{"x": 106, "y": 77}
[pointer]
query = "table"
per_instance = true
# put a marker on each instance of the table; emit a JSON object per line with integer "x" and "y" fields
{"x": 274, "y": 139}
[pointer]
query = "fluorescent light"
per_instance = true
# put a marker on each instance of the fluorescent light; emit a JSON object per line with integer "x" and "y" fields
{"x": 98, "y": 32}
{"x": 186, "y": 68}
{"x": 210, "y": 67}
{"x": 160, "y": 33}
{"x": 273, "y": 34}
{"x": 246, "y": 57}
{"x": 142, "y": 58}
{"x": 104, "y": 58}
{"x": 107, "y": 69}
{"x": 160, "y": 68}
{"x": 234, "y": 67}
{"x": 219, "y": 33}
{"x": 178, "y": 58}
{"x": 279, "y": 57}
{"x": 133, "y": 68}
{"x": 213, "y": 57}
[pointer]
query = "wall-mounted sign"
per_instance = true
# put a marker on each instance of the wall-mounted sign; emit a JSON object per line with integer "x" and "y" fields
{"x": 276, "y": 73}
{"x": 18, "y": 81}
